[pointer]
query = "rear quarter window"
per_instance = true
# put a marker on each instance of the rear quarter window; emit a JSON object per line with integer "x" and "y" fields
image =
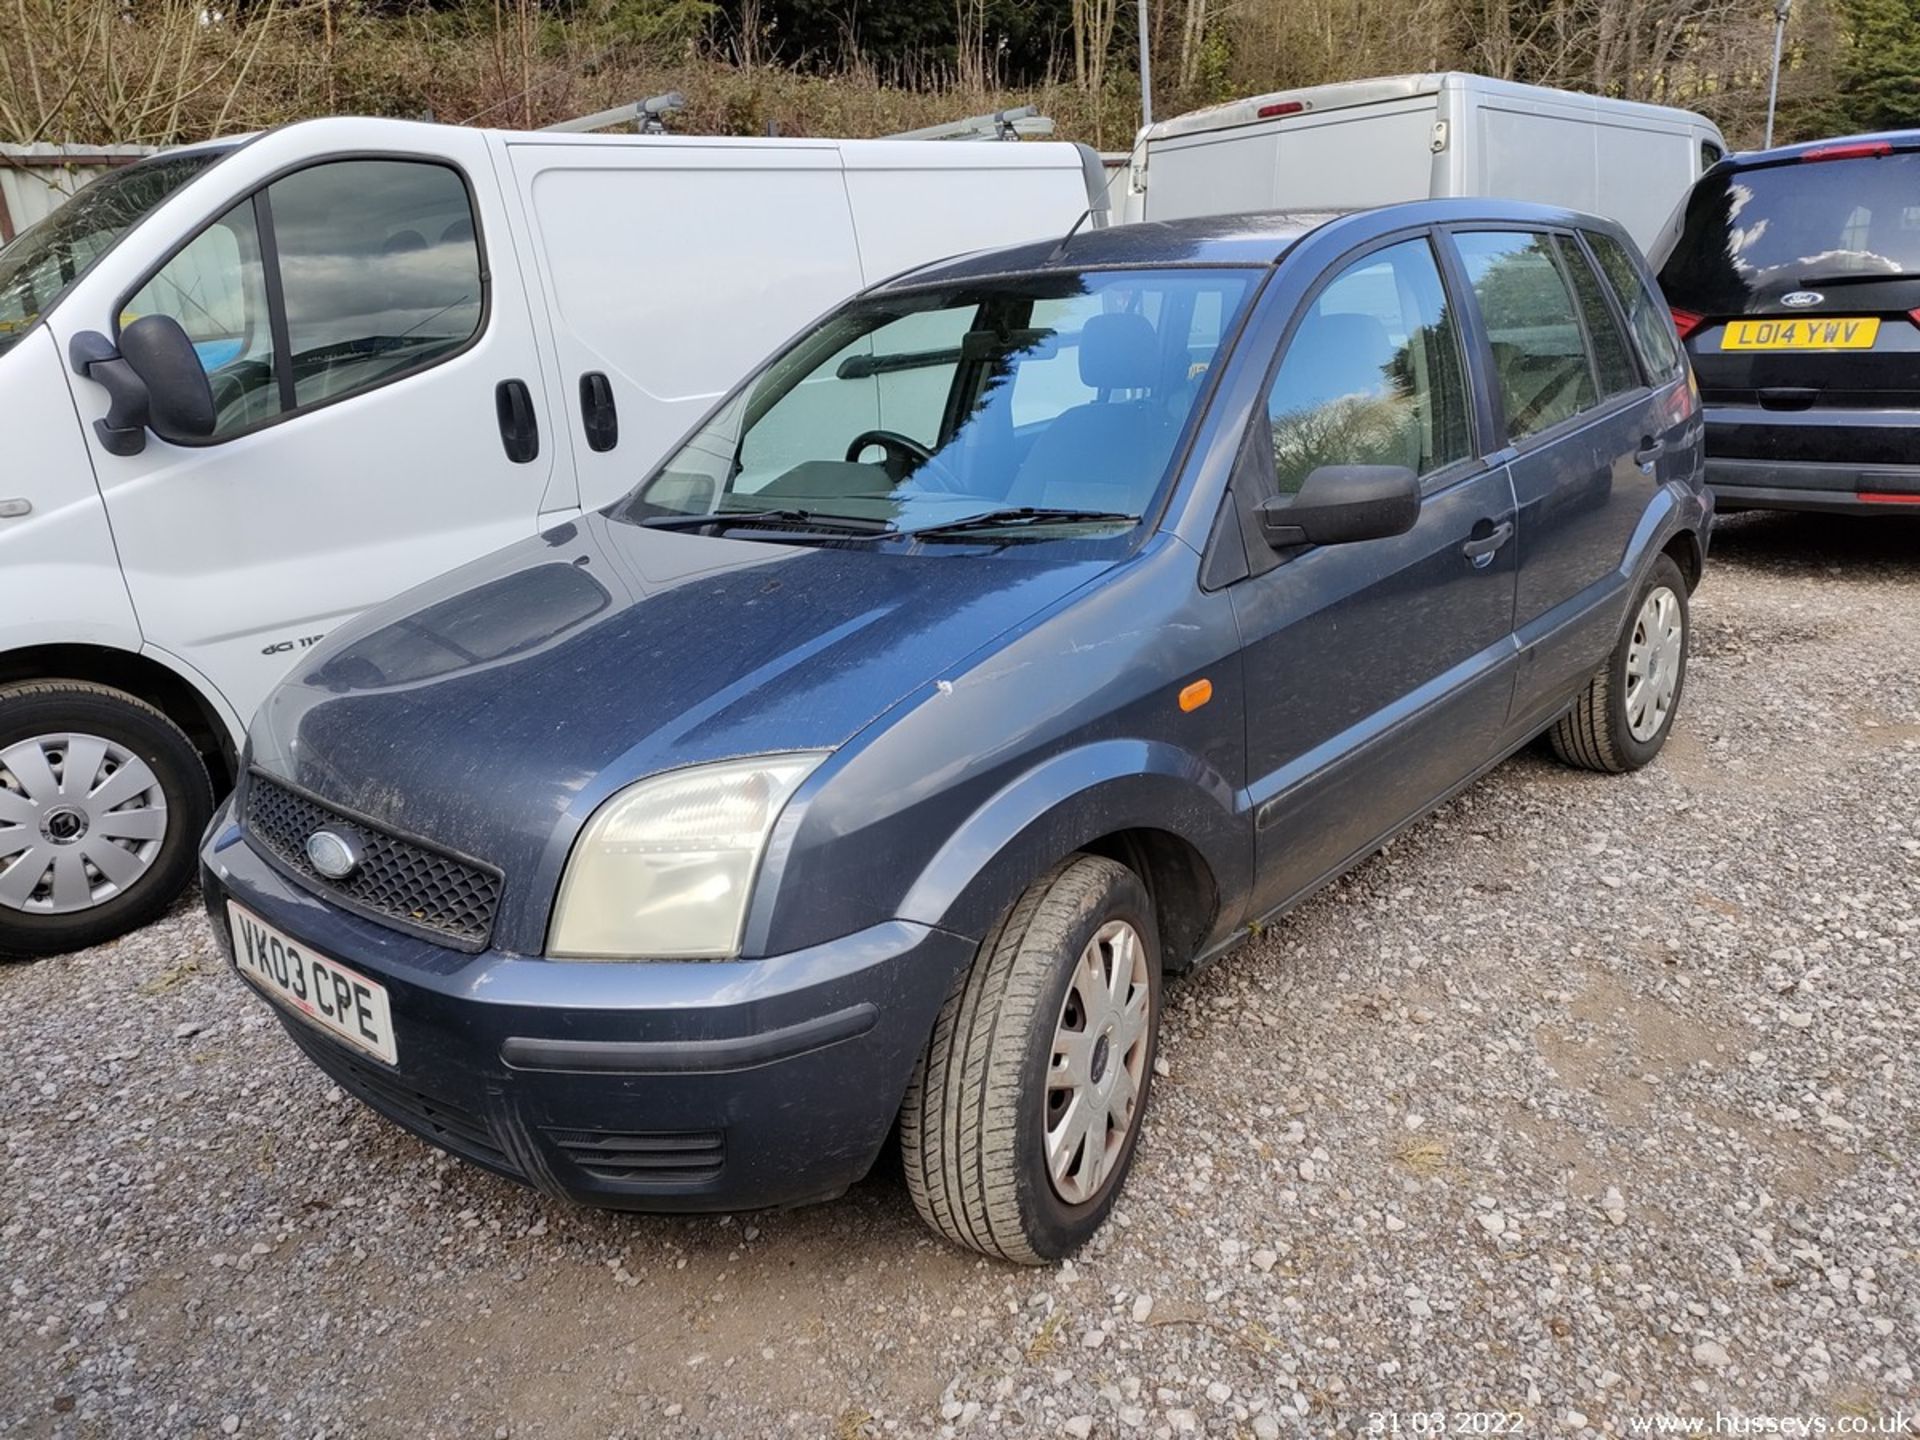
{"x": 1646, "y": 315}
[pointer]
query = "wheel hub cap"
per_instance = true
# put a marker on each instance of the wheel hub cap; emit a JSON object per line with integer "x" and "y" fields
{"x": 1656, "y": 653}
{"x": 81, "y": 819}
{"x": 1098, "y": 1063}
{"x": 63, "y": 827}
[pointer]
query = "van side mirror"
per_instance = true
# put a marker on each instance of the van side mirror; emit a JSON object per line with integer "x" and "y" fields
{"x": 179, "y": 397}
{"x": 153, "y": 381}
{"x": 1338, "y": 504}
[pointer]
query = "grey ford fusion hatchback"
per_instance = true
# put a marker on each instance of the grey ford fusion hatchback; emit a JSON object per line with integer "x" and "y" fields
{"x": 1020, "y": 634}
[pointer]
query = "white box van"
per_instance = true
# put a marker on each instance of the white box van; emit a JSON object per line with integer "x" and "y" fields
{"x": 248, "y": 389}
{"x": 1411, "y": 137}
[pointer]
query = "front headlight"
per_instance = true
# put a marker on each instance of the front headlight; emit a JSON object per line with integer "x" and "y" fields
{"x": 665, "y": 867}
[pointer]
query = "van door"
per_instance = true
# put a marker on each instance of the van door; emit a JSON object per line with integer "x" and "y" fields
{"x": 1416, "y": 631}
{"x": 1579, "y": 413}
{"x": 380, "y": 417}
{"x": 670, "y": 269}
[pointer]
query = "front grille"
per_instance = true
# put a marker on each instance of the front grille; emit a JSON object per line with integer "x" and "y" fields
{"x": 432, "y": 1118}
{"x": 679, "y": 1157}
{"x": 407, "y": 883}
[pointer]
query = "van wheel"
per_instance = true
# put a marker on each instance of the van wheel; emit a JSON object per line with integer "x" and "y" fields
{"x": 1622, "y": 718}
{"x": 1020, "y": 1122}
{"x": 102, "y": 801}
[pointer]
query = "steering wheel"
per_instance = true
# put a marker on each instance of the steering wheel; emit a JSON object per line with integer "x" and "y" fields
{"x": 907, "y": 456}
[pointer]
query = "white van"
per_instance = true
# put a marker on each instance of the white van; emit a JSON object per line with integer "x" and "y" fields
{"x": 1412, "y": 137}
{"x": 248, "y": 389}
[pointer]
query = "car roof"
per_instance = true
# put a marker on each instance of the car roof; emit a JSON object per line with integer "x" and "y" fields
{"x": 1257, "y": 238}
{"x": 1783, "y": 154}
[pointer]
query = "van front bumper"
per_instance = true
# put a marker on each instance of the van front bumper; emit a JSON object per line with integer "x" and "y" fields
{"x": 634, "y": 1085}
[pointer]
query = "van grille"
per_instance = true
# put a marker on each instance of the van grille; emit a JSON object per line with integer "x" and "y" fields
{"x": 406, "y": 883}
{"x": 679, "y": 1157}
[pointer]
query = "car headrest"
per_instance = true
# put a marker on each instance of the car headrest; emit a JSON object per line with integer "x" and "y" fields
{"x": 1119, "y": 352}
{"x": 404, "y": 242}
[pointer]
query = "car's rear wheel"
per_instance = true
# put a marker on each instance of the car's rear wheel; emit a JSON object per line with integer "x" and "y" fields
{"x": 102, "y": 801}
{"x": 1623, "y": 716}
{"x": 1020, "y": 1122}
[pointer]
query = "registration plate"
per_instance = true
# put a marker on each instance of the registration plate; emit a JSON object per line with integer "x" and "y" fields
{"x": 1800, "y": 333}
{"x": 336, "y": 998}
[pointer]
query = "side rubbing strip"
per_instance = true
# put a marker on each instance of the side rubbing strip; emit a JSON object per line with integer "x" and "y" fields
{"x": 685, "y": 1057}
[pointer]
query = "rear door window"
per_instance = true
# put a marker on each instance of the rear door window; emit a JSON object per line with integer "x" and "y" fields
{"x": 1646, "y": 315}
{"x": 1539, "y": 353}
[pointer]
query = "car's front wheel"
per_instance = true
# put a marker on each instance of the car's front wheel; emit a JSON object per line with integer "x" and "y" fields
{"x": 1021, "y": 1119}
{"x": 1623, "y": 715}
{"x": 102, "y": 801}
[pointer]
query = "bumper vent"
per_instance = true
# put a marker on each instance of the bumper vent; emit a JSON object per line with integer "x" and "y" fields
{"x": 434, "y": 1120}
{"x": 676, "y": 1157}
{"x": 403, "y": 882}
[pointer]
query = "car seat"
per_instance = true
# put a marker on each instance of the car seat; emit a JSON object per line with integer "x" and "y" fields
{"x": 1107, "y": 453}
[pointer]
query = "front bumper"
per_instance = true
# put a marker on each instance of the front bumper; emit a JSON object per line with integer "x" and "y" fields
{"x": 631, "y": 1085}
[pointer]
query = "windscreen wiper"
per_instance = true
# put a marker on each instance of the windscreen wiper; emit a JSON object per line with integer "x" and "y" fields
{"x": 1021, "y": 517}
{"x": 811, "y": 520}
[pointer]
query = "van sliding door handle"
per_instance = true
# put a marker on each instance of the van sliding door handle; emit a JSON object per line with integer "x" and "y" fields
{"x": 1482, "y": 550}
{"x": 598, "y": 417}
{"x": 1650, "y": 450}
{"x": 519, "y": 431}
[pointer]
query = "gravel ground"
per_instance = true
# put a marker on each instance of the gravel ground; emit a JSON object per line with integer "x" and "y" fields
{"x": 1591, "y": 1100}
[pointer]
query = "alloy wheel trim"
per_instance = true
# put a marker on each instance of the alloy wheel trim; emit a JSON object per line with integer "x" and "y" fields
{"x": 1656, "y": 651}
{"x": 1096, "y": 1064}
{"x": 82, "y": 819}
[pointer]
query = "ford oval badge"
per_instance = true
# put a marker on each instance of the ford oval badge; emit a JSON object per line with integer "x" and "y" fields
{"x": 334, "y": 855}
{"x": 1801, "y": 299}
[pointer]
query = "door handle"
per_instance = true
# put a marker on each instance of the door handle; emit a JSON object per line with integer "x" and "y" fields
{"x": 1650, "y": 450}
{"x": 1482, "y": 550}
{"x": 597, "y": 413}
{"x": 519, "y": 431}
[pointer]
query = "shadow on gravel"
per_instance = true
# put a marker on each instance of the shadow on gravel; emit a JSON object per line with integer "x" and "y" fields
{"x": 1824, "y": 545}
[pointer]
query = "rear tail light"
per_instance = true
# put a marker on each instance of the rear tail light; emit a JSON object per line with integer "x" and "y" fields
{"x": 1857, "y": 150}
{"x": 1280, "y": 107}
{"x": 1883, "y": 497}
{"x": 1686, "y": 321}
{"x": 1914, "y": 316}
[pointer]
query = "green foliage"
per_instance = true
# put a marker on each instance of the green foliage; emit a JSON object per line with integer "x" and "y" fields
{"x": 1879, "y": 77}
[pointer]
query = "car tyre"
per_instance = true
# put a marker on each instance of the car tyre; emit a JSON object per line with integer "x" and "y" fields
{"x": 1059, "y": 1009}
{"x": 48, "y": 728}
{"x": 1624, "y": 715}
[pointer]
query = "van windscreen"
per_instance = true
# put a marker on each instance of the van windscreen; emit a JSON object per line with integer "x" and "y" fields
{"x": 1781, "y": 227}
{"x": 38, "y": 265}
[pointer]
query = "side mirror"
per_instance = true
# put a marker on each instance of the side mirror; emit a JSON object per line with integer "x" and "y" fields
{"x": 179, "y": 397}
{"x": 1339, "y": 504}
{"x": 153, "y": 382}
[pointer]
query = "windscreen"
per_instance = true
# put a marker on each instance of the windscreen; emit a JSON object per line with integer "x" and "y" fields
{"x": 1781, "y": 227}
{"x": 1061, "y": 392}
{"x": 41, "y": 261}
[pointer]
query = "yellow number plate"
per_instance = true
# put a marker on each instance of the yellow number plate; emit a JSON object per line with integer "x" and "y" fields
{"x": 1800, "y": 334}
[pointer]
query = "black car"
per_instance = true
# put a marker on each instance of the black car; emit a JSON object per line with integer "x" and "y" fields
{"x": 1795, "y": 284}
{"x": 1038, "y": 622}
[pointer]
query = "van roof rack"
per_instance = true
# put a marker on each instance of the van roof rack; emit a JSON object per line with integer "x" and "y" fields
{"x": 994, "y": 125}
{"x": 648, "y": 117}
